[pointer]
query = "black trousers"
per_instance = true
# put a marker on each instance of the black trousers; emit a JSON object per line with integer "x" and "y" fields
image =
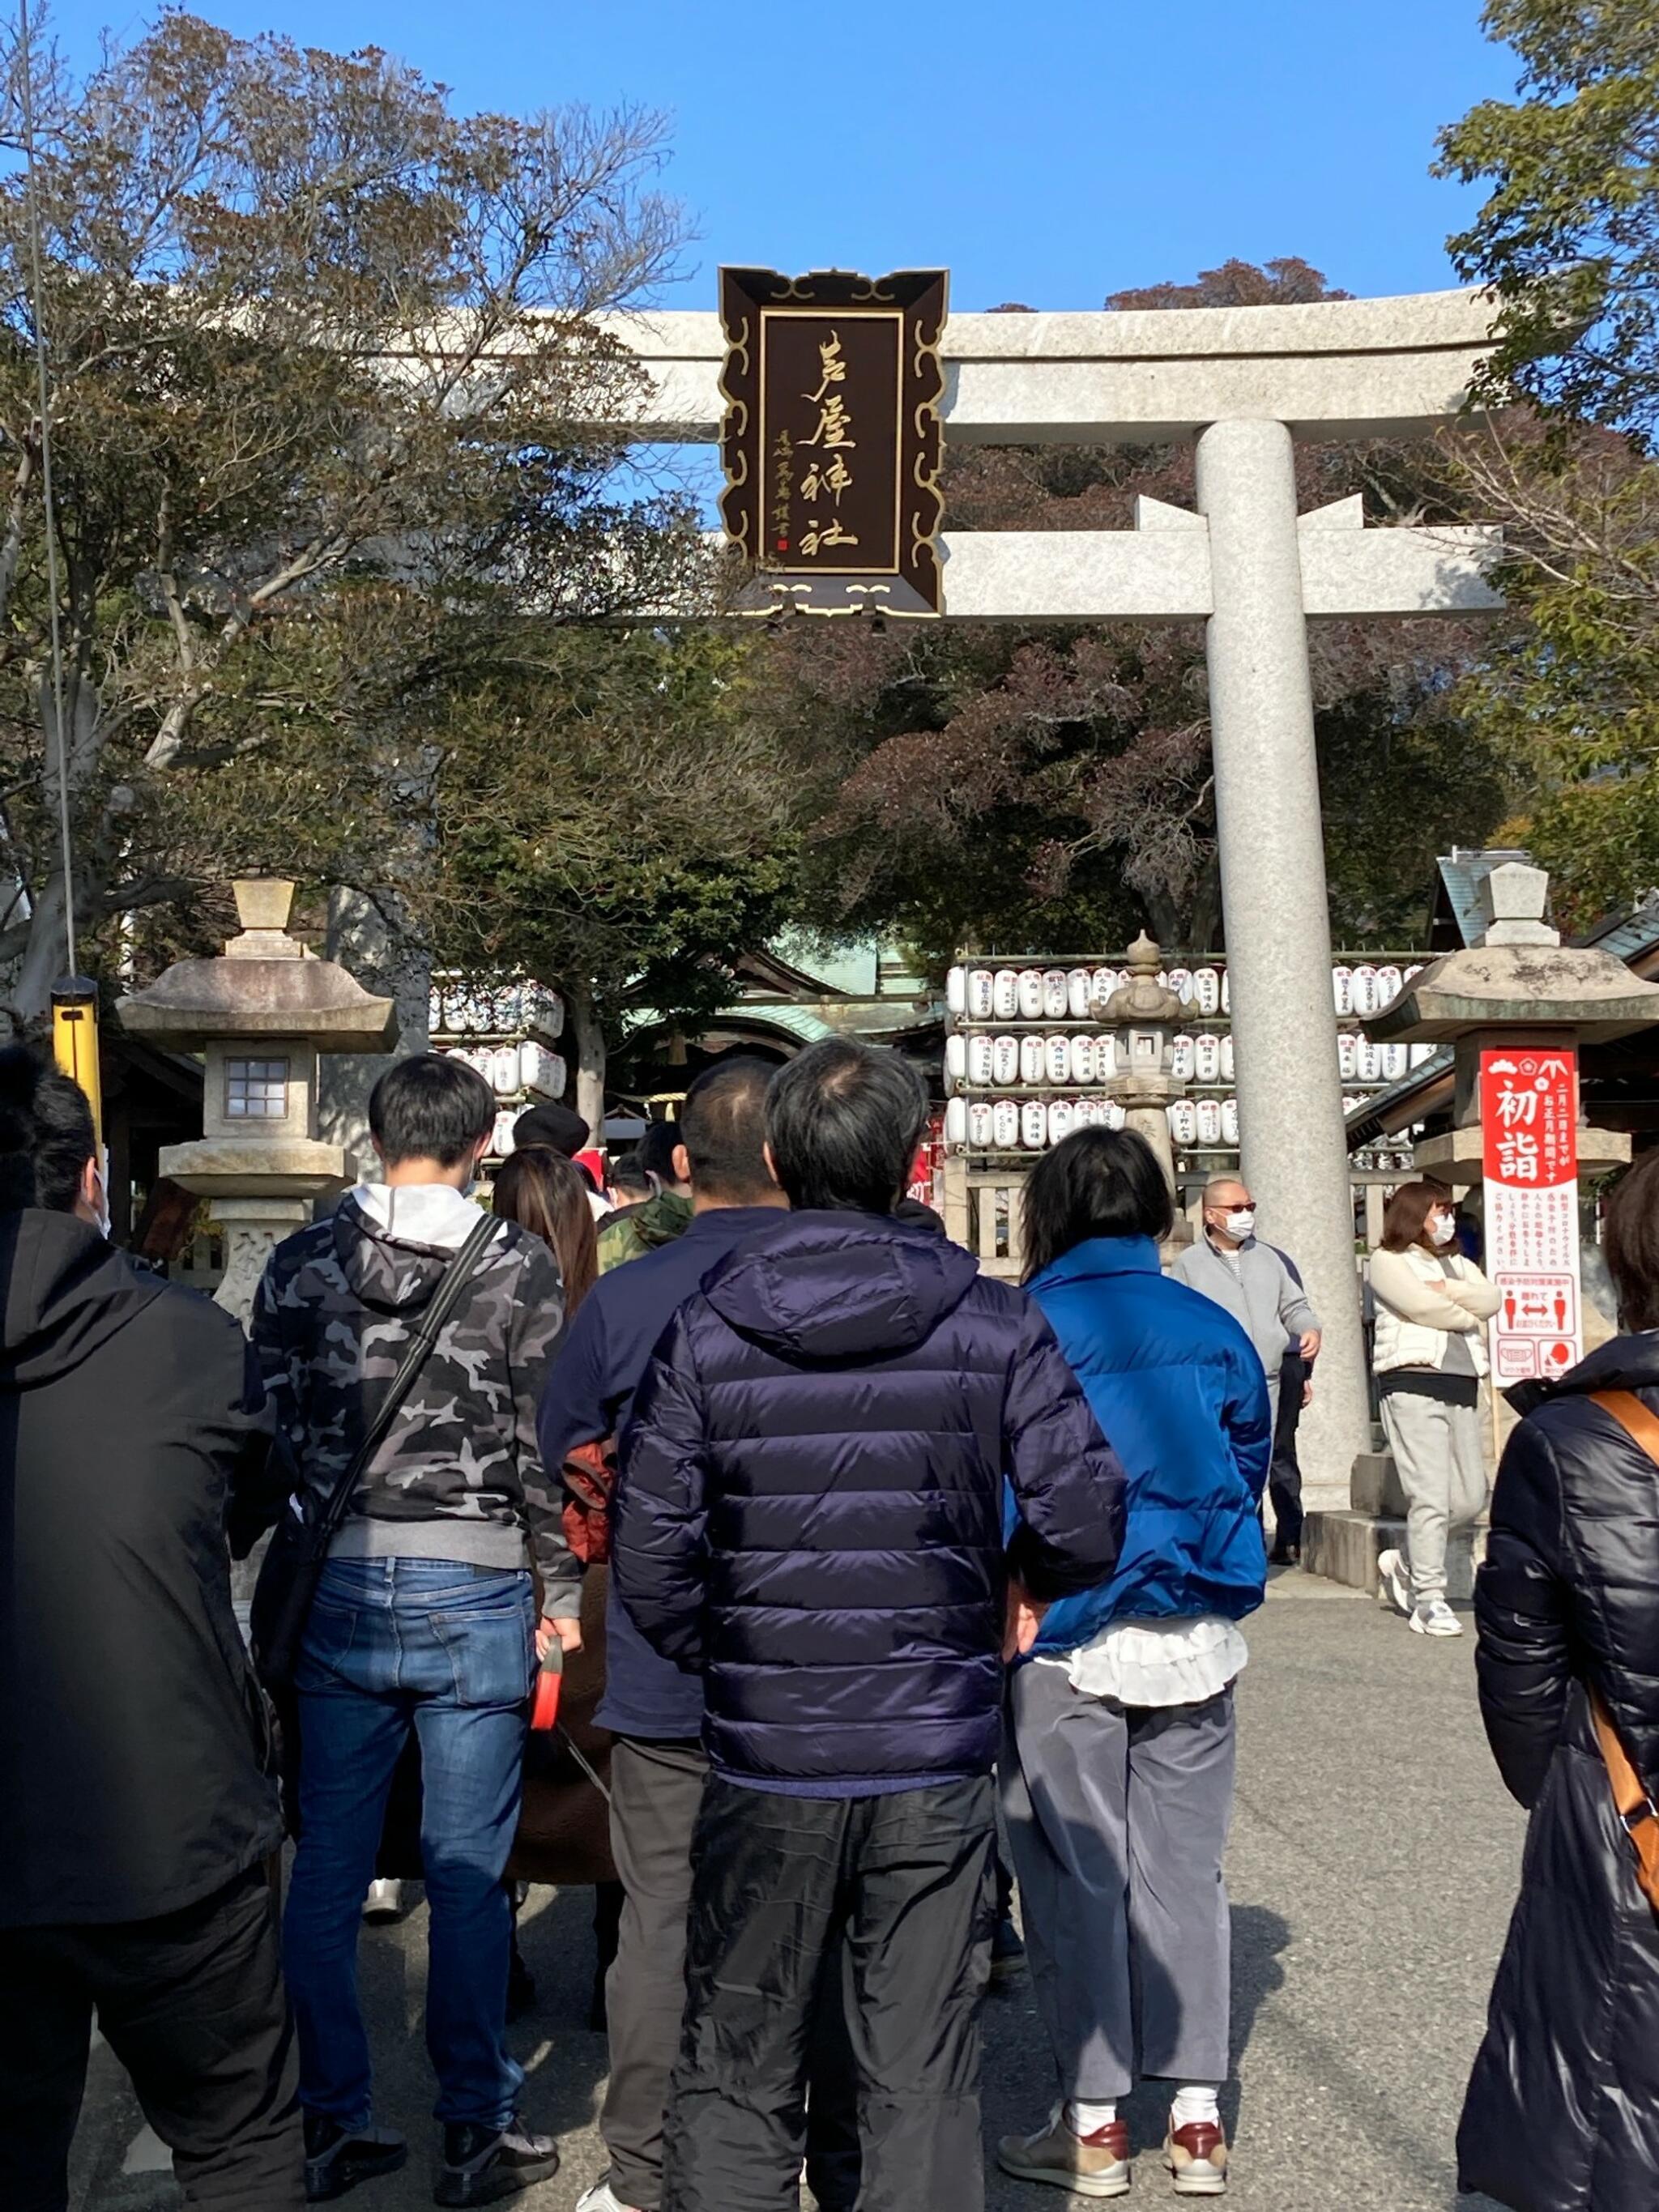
{"x": 192, "y": 2005}
{"x": 1284, "y": 1474}
{"x": 656, "y": 1791}
{"x": 902, "y": 1890}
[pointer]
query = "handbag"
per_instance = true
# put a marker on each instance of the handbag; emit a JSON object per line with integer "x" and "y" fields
{"x": 1635, "y": 1805}
{"x": 299, "y": 1548}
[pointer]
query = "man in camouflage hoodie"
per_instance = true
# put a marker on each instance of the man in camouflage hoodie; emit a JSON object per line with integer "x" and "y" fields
{"x": 424, "y": 1619}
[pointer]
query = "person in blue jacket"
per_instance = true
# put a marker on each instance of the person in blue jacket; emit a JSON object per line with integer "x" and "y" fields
{"x": 1117, "y": 1771}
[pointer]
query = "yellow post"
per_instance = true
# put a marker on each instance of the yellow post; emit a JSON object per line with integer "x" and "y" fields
{"x": 74, "y": 1039}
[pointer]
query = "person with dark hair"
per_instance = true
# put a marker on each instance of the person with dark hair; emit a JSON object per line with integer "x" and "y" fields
{"x": 1428, "y": 1353}
{"x": 542, "y": 1192}
{"x": 809, "y": 1516}
{"x": 658, "y": 1765}
{"x": 424, "y": 1618}
{"x": 1117, "y": 1772}
{"x": 137, "y": 1809}
{"x": 1563, "y": 2107}
{"x": 633, "y": 1230}
{"x": 554, "y": 1127}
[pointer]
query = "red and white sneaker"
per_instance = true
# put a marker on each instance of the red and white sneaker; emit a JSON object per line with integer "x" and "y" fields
{"x": 1197, "y": 2157}
{"x": 1095, "y": 2165}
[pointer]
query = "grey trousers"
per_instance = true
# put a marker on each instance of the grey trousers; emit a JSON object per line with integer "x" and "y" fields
{"x": 1442, "y": 1471}
{"x": 1118, "y": 1817}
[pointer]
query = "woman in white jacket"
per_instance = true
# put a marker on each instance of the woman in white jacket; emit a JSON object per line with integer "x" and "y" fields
{"x": 1433, "y": 1306}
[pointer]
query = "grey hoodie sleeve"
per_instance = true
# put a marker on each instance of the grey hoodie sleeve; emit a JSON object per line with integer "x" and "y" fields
{"x": 536, "y": 1320}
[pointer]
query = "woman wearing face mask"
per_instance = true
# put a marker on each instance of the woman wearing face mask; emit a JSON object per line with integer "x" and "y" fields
{"x": 1433, "y": 1306}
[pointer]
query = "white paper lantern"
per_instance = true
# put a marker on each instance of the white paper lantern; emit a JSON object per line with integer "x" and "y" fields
{"x": 1181, "y": 1061}
{"x": 1005, "y": 1061}
{"x": 1183, "y": 1121}
{"x": 1060, "y": 1121}
{"x": 1228, "y": 1057}
{"x": 982, "y": 993}
{"x": 1056, "y": 995}
{"x": 1226, "y": 992}
{"x": 1105, "y": 1056}
{"x": 956, "y": 990}
{"x": 1032, "y": 1060}
{"x": 1206, "y": 990}
{"x": 1103, "y": 983}
{"x": 500, "y": 1142}
{"x": 1206, "y": 1058}
{"x": 1348, "y": 1055}
{"x": 1030, "y": 995}
{"x": 1005, "y": 994}
{"x": 1078, "y": 994}
{"x": 504, "y": 1072}
{"x": 1342, "y": 989}
{"x": 1209, "y": 1121}
{"x": 1395, "y": 1063}
{"x": 1057, "y": 1060}
{"x": 1389, "y": 981}
{"x": 1117, "y": 1116}
{"x": 1034, "y": 1125}
{"x": 1180, "y": 982}
{"x": 982, "y": 1125}
{"x": 1082, "y": 1059}
{"x": 956, "y": 1121}
{"x": 1229, "y": 1120}
{"x": 981, "y": 1059}
{"x": 1005, "y": 1124}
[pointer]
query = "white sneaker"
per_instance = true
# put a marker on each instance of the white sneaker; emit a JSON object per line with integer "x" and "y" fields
{"x": 1434, "y": 1617}
{"x": 385, "y": 1900}
{"x": 1394, "y": 1586}
{"x": 602, "y": 2197}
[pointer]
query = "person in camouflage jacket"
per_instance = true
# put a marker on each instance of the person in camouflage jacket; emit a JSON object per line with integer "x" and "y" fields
{"x": 424, "y": 1620}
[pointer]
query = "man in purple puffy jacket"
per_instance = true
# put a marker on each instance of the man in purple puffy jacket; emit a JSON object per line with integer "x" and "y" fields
{"x": 809, "y": 1515}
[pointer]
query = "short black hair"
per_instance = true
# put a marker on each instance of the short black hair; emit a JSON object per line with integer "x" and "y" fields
{"x": 627, "y": 1173}
{"x": 430, "y": 1107}
{"x": 844, "y": 1120}
{"x": 1096, "y": 1183}
{"x": 723, "y": 1128}
{"x": 557, "y": 1127}
{"x": 656, "y": 1151}
{"x": 46, "y": 1134}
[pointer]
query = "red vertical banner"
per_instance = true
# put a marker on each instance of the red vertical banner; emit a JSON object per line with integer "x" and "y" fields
{"x": 1530, "y": 1131}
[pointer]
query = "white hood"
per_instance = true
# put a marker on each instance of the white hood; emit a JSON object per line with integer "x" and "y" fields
{"x": 418, "y": 1212}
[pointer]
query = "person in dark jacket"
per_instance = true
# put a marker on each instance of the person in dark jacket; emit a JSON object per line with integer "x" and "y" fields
{"x": 658, "y": 1765}
{"x": 629, "y": 1232}
{"x": 1563, "y": 2110}
{"x": 136, "y": 1809}
{"x": 810, "y": 1515}
{"x": 1118, "y": 1771}
{"x": 424, "y": 1617}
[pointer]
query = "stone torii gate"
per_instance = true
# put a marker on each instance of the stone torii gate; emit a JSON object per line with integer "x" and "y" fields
{"x": 1245, "y": 383}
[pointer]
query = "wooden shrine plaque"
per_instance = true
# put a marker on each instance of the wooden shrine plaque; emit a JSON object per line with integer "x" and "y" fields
{"x": 832, "y": 439}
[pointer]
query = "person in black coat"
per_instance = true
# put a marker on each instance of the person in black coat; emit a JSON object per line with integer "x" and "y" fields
{"x": 136, "y": 1816}
{"x": 1562, "y": 2111}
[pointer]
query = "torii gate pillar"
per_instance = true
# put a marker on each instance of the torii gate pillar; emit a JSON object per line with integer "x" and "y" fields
{"x": 1274, "y": 899}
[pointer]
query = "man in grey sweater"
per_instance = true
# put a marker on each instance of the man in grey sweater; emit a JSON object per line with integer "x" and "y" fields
{"x": 1253, "y": 1280}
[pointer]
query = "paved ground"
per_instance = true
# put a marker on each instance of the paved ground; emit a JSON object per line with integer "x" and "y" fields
{"x": 1373, "y": 1866}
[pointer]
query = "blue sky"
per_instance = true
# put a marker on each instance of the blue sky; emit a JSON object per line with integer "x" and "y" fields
{"x": 1049, "y": 151}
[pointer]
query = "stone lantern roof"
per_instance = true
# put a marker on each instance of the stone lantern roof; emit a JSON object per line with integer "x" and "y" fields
{"x": 264, "y": 984}
{"x": 1520, "y": 976}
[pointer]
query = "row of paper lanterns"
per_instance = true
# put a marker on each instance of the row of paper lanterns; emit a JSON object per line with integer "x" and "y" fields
{"x": 983, "y": 1062}
{"x": 457, "y": 1009}
{"x": 1006, "y": 1125}
{"x": 1058, "y": 994}
{"x": 510, "y": 1068}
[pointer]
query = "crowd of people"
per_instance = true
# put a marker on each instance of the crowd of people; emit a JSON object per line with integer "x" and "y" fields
{"x": 887, "y": 1558}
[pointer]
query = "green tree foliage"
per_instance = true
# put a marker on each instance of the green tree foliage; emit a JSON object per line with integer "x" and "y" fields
{"x": 1570, "y": 233}
{"x": 317, "y": 344}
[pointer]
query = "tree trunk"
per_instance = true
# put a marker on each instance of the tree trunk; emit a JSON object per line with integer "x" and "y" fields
{"x": 588, "y": 1047}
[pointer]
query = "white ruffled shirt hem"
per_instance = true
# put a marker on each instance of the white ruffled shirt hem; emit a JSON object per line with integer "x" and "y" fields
{"x": 1157, "y": 1662}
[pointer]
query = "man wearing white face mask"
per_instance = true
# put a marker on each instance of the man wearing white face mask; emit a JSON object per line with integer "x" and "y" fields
{"x": 1230, "y": 1265}
{"x": 1430, "y": 1354}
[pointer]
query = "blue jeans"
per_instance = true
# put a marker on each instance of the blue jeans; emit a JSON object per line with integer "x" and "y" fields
{"x": 448, "y": 1651}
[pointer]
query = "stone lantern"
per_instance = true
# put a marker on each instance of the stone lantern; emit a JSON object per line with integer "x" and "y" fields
{"x": 261, "y": 1014}
{"x": 1146, "y": 1016}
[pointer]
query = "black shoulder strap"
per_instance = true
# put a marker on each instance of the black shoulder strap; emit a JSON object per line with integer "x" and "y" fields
{"x": 440, "y": 1307}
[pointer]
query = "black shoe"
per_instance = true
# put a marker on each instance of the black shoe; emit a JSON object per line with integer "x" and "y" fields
{"x": 1008, "y": 1951}
{"x": 481, "y": 2164}
{"x": 1285, "y": 1555}
{"x": 338, "y": 2159}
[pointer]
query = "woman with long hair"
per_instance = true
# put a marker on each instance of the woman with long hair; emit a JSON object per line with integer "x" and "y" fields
{"x": 1562, "y": 2111}
{"x": 1117, "y": 1770}
{"x": 1429, "y": 1355}
{"x": 547, "y": 1194}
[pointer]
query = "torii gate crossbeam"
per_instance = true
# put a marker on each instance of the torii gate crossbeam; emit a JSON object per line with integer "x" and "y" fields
{"x": 1243, "y": 382}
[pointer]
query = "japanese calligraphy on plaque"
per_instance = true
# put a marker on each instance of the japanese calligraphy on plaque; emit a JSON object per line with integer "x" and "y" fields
{"x": 832, "y": 439}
